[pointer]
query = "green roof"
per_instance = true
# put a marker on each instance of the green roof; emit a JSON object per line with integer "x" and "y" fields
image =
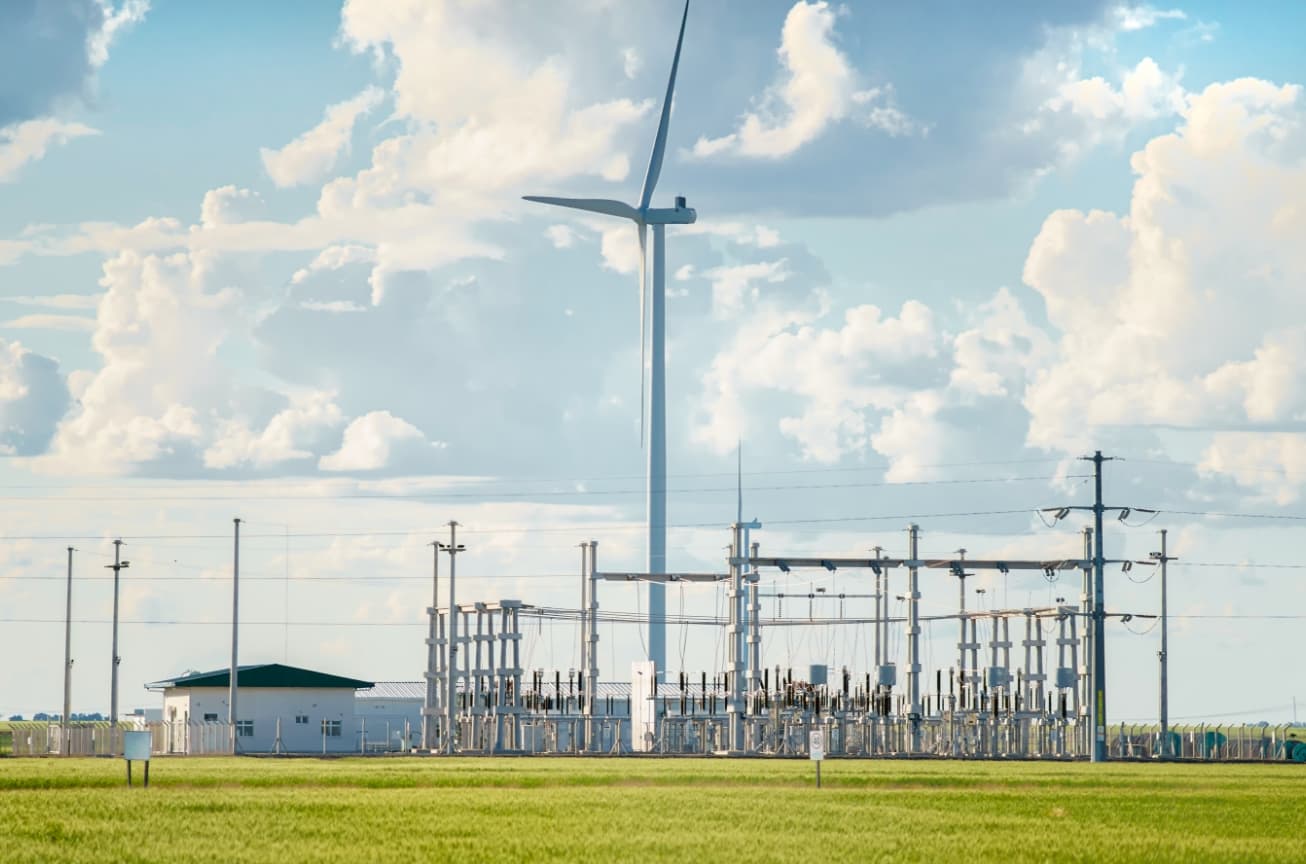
{"x": 263, "y": 675}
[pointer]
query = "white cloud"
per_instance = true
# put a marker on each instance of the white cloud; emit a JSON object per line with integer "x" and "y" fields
{"x": 336, "y": 306}
{"x": 313, "y": 154}
{"x": 28, "y": 141}
{"x": 57, "y": 301}
{"x": 1273, "y": 463}
{"x": 1187, "y": 312}
{"x": 33, "y": 396}
{"x": 225, "y": 205}
{"x": 735, "y": 286}
{"x": 1001, "y": 353}
{"x": 561, "y": 236}
{"x": 1130, "y": 18}
{"x": 290, "y": 434}
{"x": 818, "y": 87}
{"x": 51, "y": 322}
{"x": 1145, "y": 92}
{"x": 158, "y": 330}
{"x": 116, "y": 21}
{"x": 333, "y": 258}
{"x": 631, "y": 62}
{"x": 369, "y": 442}
{"x": 838, "y": 375}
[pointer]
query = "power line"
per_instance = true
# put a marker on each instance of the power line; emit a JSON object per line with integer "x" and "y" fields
{"x": 541, "y": 493}
{"x": 568, "y": 479}
{"x": 580, "y": 527}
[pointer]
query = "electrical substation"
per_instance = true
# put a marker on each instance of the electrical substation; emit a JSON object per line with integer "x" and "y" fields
{"x": 1022, "y": 682}
{"x": 987, "y": 702}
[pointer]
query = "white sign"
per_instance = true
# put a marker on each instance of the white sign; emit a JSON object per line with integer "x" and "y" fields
{"x": 816, "y": 745}
{"x": 136, "y": 746}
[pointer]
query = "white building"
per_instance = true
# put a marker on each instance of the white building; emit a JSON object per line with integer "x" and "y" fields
{"x": 390, "y": 714}
{"x": 280, "y": 709}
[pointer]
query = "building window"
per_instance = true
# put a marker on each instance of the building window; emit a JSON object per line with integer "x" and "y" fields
{"x": 210, "y": 718}
{"x": 245, "y": 728}
{"x": 331, "y": 728}
{"x": 301, "y": 719}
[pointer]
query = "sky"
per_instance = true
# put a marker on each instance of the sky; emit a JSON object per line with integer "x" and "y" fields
{"x": 271, "y": 262}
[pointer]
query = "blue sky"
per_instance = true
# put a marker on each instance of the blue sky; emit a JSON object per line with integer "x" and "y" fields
{"x": 270, "y": 261}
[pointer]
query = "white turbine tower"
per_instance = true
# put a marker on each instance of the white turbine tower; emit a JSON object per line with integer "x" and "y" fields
{"x": 644, "y": 216}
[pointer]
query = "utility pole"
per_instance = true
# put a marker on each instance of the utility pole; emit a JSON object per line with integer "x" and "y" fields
{"x": 235, "y": 637}
{"x": 879, "y": 616}
{"x": 453, "y": 547}
{"x": 428, "y": 725}
{"x": 735, "y": 631}
{"x": 1098, "y": 708}
{"x": 913, "y": 641}
{"x": 1097, "y": 612}
{"x": 1164, "y": 654}
{"x": 117, "y": 567}
{"x": 67, "y": 659}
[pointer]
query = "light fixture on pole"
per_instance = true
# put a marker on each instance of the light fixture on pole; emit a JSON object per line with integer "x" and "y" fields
{"x": 117, "y": 567}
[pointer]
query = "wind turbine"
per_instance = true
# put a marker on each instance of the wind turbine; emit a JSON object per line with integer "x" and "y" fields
{"x": 644, "y": 216}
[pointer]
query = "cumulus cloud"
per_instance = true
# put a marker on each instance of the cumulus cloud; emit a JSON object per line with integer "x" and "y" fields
{"x": 1186, "y": 312}
{"x": 312, "y": 155}
{"x": 1274, "y": 464}
{"x": 734, "y": 286}
{"x": 158, "y": 330}
{"x": 817, "y": 87}
{"x": 28, "y": 141}
{"x": 293, "y": 433}
{"x": 838, "y": 376}
{"x": 49, "y": 52}
{"x": 370, "y": 441}
{"x": 33, "y": 396}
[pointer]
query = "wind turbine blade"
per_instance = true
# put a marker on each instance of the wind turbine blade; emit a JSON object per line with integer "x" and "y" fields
{"x": 605, "y": 206}
{"x": 660, "y": 142}
{"x": 643, "y": 319}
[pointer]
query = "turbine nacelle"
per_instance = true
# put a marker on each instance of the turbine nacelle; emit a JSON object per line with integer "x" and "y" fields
{"x": 643, "y": 216}
{"x": 678, "y": 215}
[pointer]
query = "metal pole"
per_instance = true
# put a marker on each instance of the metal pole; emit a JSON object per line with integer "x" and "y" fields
{"x": 451, "y": 699}
{"x": 735, "y": 708}
{"x": 879, "y": 599}
{"x": 754, "y": 632}
{"x": 1085, "y": 688}
{"x": 657, "y": 459}
{"x": 235, "y": 636}
{"x": 428, "y": 726}
{"x": 113, "y": 673}
{"x": 913, "y": 643}
{"x": 594, "y": 621}
{"x": 961, "y": 621}
{"x": 1164, "y": 657}
{"x": 583, "y": 665}
{"x": 67, "y": 658}
{"x": 1098, "y": 706}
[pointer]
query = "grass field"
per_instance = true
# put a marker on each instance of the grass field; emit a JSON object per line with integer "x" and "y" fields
{"x": 425, "y": 809}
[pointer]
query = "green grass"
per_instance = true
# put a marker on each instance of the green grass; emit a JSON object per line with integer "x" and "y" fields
{"x": 427, "y": 809}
